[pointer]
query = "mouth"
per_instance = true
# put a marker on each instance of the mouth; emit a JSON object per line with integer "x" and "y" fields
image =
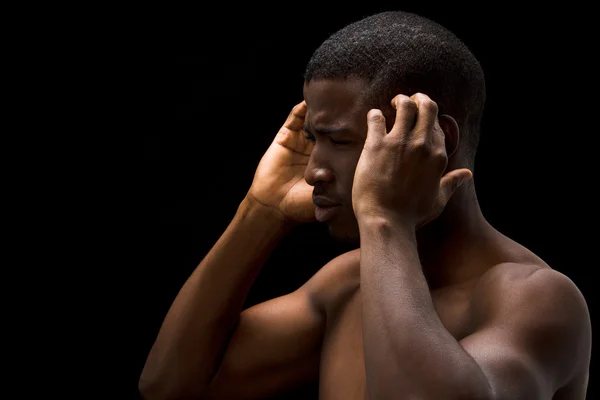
{"x": 323, "y": 214}
{"x": 326, "y": 208}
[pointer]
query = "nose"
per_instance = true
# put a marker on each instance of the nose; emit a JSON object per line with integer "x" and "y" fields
{"x": 318, "y": 171}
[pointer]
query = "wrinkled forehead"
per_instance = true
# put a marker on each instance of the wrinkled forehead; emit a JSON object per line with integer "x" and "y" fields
{"x": 336, "y": 102}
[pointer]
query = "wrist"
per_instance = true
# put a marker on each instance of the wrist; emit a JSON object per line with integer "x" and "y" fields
{"x": 378, "y": 215}
{"x": 385, "y": 223}
{"x": 265, "y": 217}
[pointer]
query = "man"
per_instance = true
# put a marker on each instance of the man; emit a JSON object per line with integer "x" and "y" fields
{"x": 434, "y": 303}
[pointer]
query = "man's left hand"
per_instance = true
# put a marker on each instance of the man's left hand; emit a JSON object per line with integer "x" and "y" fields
{"x": 400, "y": 174}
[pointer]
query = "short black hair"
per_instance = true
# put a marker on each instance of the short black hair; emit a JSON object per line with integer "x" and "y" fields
{"x": 401, "y": 52}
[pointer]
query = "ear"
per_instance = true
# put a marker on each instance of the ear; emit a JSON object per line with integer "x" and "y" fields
{"x": 451, "y": 133}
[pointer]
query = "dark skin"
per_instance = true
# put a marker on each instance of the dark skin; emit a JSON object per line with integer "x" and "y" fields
{"x": 436, "y": 304}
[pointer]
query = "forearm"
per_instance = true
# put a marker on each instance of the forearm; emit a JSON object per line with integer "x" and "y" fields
{"x": 196, "y": 329}
{"x": 407, "y": 348}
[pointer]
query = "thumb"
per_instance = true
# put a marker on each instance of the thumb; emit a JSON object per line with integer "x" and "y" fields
{"x": 375, "y": 126}
{"x": 451, "y": 181}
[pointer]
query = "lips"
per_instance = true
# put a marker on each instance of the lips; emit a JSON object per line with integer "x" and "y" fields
{"x": 326, "y": 208}
{"x": 323, "y": 214}
{"x": 324, "y": 202}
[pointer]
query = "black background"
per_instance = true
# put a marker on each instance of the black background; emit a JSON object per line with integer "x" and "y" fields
{"x": 235, "y": 72}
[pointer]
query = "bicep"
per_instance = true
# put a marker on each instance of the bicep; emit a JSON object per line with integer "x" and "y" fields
{"x": 275, "y": 346}
{"x": 512, "y": 371}
{"x": 533, "y": 336}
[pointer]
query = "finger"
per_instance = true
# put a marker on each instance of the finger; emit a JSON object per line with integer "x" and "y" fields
{"x": 295, "y": 120}
{"x": 450, "y": 182}
{"x": 376, "y": 129}
{"x": 290, "y": 136}
{"x": 426, "y": 118}
{"x": 406, "y": 112}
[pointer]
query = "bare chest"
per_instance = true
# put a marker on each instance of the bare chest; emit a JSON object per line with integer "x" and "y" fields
{"x": 342, "y": 369}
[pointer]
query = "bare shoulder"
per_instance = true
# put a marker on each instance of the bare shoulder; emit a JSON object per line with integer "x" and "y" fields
{"x": 337, "y": 279}
{"x": 543, "y": 307}
{"x": 508, "y": 282}
{"x": 535, "y": 288}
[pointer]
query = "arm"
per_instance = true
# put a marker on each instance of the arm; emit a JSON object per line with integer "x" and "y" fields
{"x": 532, "y": 333}
{"x": 407, "y": 348}
{"x": 194, "y": 336}
{"x": 195, "y": 331}
{"x": 276, "y": 347}
{"x": 532, "y": 329}
{"x": 277, "y": 344}
{"x": 207, "y": 349}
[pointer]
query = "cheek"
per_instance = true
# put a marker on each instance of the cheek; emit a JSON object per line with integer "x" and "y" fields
{"x": 347, "y": 167}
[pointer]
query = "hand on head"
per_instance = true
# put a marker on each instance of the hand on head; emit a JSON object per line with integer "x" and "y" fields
{"x": 402, "y": 173}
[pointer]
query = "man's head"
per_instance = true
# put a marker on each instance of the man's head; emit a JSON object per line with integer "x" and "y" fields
{"x": 363, "y": 66}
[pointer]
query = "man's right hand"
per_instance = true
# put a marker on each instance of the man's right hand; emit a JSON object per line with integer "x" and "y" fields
{"x": 279, "y": 182}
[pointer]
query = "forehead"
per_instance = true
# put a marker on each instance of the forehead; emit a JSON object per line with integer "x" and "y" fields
{"x": 335, "y": 102}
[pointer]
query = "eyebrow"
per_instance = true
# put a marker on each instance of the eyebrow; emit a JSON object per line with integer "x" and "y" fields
{"x": 326, "y": 131}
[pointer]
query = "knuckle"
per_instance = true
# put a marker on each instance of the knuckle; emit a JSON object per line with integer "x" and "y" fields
{"x": 419, "y": 96}
{"x": 376, "y": 117}
{"x": 429, "y": 105}
{"x": 440, "y": 158}
{"x": 398, "y": 97}
{"x": 440, "y": 155}
{"x": 421, "y": 145}
{"x": 405, "y": 102}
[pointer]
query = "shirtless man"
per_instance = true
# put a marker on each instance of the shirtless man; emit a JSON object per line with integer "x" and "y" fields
{"x": 434, "y": 303}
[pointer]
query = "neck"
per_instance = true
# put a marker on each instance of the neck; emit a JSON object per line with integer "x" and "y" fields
{"x": 451, "y": 247}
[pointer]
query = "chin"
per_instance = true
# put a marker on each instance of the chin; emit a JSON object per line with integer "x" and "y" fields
{"x": 344, "y": 231}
